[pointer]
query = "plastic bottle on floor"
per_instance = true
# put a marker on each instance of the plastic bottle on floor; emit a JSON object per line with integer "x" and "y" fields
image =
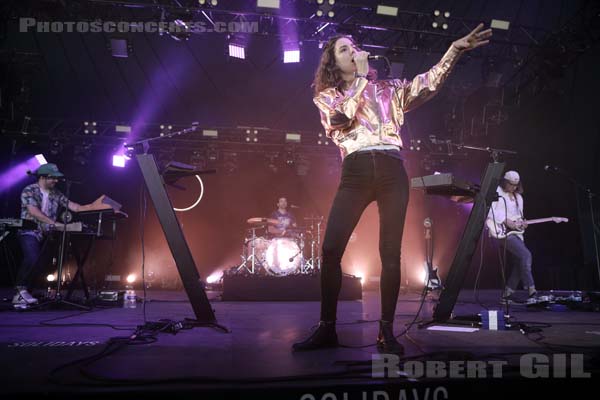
{"x": 130, "y": 299}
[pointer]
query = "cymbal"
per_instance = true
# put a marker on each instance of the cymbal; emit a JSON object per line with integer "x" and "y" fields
{"x": 262, "y": 221}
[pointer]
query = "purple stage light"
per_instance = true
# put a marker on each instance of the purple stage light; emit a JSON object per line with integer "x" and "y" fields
{"x": 237, "y": 51}
{"x": 119, "y": 160}
{"x": 291, "y": 56}
{"x": 17, "y": 173}
{"x": 41, "y": 159}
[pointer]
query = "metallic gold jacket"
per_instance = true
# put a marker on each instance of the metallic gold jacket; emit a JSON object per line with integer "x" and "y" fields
{"x": 371, "y": 113}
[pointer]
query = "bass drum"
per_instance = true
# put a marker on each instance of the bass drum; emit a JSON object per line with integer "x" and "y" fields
{"x": 278, "y": 256}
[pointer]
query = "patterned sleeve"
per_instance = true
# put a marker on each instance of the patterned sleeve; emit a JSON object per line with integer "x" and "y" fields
{"x": 28, "y": 199}
{"x": 62, "y": 200}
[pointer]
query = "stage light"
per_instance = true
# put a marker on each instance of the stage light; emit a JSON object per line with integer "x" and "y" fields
{"x": 440, "y": 19}
{"x": 212, "y": 3}
{"x": 500, "y": 24}
{"x": 325, "y": 8}
{"x": 90, "y": 127}
{"x": 214, "y": 277}
{"x": 51, "y": 278}
{"x": 119, "y": 160}
{"x": 123, "y": 129}
{"x": 165, "y": 129}
{"x": 323, "y": 140}
{"x": 361, "y": 276}
{"x": 293, "y": 137}
{"x": 251, "y": 135}
{"x": 272, "y": 4}
{"x": 41, "y": 159}
{"x": 120, "y": 47}
{"x": 237, "y": 51}
{"x": 209, "y": 133}
{"x": 387, "y": 10}
{"x": 291, "y": 56}
{"x": 131, "y": 278}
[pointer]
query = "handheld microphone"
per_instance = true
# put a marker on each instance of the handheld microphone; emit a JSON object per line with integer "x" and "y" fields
{"x": 375, "y": 57}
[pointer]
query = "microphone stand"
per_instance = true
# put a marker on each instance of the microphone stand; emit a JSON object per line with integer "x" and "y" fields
{"x": 58, "y": 300}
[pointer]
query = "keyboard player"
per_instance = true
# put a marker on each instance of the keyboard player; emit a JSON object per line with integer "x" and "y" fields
{"x": 40, "y": 202}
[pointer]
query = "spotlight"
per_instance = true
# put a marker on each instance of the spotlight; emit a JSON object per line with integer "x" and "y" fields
{"x": 291, "y": 56}
{"x": 122, "y": 129}
{"x": 120, "y": 47}
{"x": 131, "y": 278}
{"x": 119, "y": 160}
{"x": 323, "y": 140}
{"x": 361, "y": 276}
{"x": 209, "y": 133}
{"x": 165, "y": 129}
{"x": 212, "y": 3}
{"x": 251, "y": 135}
{"x": 214, "y": 277}
{"x": 41, "y": 159}
{"x": 415, "y": 145}
{"x": 387, "y": 10}
{"x": 51, "y": 278}
{"x": 293, "y": 137}
{"x": 237, "y": 50}
{"x": 325, "y": 8}
{"x": 440, "y": 19}
{"x": 271, "y": 4}
{"x": 500, "y": 24}
{"x": 90, "y": 127}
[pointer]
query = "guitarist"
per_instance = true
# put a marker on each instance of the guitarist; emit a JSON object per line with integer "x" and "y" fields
{"x": 506, "y": 214}
{"x": 40, "y": 202}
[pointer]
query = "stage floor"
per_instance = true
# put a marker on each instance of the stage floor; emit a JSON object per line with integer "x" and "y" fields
{"x": 255, "y": 358}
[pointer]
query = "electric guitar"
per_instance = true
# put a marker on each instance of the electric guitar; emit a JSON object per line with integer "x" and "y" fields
{"x": 501, "y": 231}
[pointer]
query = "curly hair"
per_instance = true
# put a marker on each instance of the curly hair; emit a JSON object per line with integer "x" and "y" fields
{"x": 328, "y": 74}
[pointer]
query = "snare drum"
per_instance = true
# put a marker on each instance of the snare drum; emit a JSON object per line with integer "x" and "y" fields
{"x": 278, "y": 255}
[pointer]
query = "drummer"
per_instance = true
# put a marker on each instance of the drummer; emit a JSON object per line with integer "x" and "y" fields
{"x": 286, "y": 220}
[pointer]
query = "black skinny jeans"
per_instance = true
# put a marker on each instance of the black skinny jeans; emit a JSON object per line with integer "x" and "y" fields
{"x": 366, "y": 176}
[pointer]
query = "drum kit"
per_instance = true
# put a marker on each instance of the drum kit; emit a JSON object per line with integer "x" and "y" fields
{"x": 297, "y": 251}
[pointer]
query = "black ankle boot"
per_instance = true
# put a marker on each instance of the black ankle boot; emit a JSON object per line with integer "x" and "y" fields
{"x": 323, "y": 337}
{"x": 386, "y": 341}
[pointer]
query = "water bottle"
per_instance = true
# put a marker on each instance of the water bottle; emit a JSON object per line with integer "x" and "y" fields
{"x": 130, "y": 299}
